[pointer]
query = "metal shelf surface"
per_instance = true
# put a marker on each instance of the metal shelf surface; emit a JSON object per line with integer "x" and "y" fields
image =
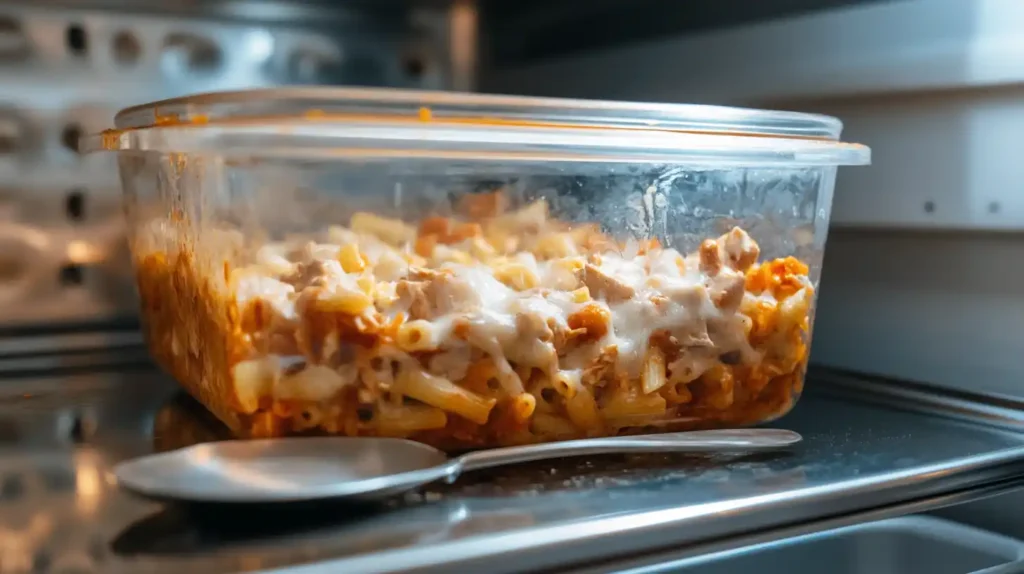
{"x": 869, "y": 446}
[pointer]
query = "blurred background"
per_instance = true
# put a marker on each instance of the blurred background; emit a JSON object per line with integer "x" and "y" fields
{"x": 924, "y": 274}
{"x": 923, "y": 277}
{"x": 67, "y": 67}
{"x": 918, "y": 286}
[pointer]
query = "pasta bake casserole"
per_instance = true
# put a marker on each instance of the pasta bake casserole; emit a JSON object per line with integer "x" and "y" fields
{"x": 490, "y": 327}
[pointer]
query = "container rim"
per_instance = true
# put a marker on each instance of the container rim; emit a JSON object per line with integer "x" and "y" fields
{"x": 391, "y": 122}
{"x": 312, "y": 103}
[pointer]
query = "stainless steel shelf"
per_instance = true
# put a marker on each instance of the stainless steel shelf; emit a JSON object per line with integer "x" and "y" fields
{"x": 872, "y": 449}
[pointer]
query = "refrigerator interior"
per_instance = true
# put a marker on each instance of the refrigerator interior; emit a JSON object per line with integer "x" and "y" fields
{"x": 919, "y": 284}
{"x": 919, "y": 280}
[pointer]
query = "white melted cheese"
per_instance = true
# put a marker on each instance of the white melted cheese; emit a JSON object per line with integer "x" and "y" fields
{"x": 278, "y": 294}
{"x": 556, "y": 275}
{"x": 495, "y": 307}
{"x": 323, "y": 252}
{"x": 491, "y": 293}
{"x": 335, "y": 280}
{"x": 664, "y": 263}
{"x": 670, "y": 294}
{"x": 629, "y": 271}
{"x": 539, "y": 306}
{"x": 274, "y": 257}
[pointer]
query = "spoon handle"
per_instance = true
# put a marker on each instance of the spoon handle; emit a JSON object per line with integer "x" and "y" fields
{"x": 731, "y": 440}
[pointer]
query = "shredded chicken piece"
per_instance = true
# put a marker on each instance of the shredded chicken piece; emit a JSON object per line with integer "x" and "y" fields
{"x": 710, "y": 257}
{"x": 601, "y": 369}
{"x": 483, "y": 205}
{"x": 727, "y": 291}
{"x": 425, "y": 274}
{"x": 414, "y": 294}
{"x": 307, "y": 274}
{"x": 601, "y": 284}
{"x": 532, "y": 325}
{"x": 739, "y": 249}
{"x": 697, "y": 339}
{"x": 689, "y": 366}
{"x": 564, "y": 339}
{"x": 450, "y": 294}
{"x": 313, "y": 251}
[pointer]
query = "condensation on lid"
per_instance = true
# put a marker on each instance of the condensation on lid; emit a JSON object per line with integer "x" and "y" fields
{"x": 333, "y": 123}
{"x": 389, "y": 104}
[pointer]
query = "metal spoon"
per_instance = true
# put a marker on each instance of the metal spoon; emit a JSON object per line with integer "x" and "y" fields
{"x": 310, "y": 468}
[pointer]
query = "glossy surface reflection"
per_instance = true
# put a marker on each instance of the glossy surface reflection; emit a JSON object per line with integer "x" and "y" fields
{"x": 58, "y": 506}
{"x": 302, "y": 469}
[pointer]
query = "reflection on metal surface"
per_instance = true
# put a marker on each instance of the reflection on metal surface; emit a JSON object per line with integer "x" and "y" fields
{"x": 18, "y": 546}
{"x": 854, "y": 457}
{"x": 293, "y": 469}
{"x": 83, "y": 252}
{"x": 69, "y": 342}
{"x": 14, "y": 44}
{"x": 674, "y": 559}
{"x": 996, "y": 410}
{"x": 464, "y": 28}
{"x": 183, "y": 422}
{"x": 88, "y": 482}
{"x": 52, "y": 365}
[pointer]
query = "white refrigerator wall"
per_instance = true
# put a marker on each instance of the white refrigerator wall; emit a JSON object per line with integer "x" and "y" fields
{"x": 924, "y": 271}
{"x": 923, "y": 274}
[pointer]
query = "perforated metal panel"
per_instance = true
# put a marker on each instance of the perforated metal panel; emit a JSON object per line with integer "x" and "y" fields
{"x": 65, "y": 68}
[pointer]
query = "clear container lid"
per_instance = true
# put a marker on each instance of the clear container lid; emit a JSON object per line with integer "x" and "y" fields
{"x": 388, "y": 123}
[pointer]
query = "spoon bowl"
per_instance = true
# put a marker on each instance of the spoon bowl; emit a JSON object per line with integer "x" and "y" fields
{"x": 364, "y": 468}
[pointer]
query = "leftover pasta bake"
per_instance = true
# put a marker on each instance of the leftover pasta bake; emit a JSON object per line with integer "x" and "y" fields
{"x": 491, "y": 327}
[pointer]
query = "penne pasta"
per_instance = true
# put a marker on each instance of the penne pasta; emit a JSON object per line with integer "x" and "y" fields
{"x": 546, "y": 399}
{"x": 254, "y": 379}
{"x": 545, "y": 425}
{"x": 567, "y": 383}
{"x": 386, "y": 328}
{"x": 405, "y": 419}
{"x": 392, "y": 231}
{"x": 419, "y": 335}
{"x": 507, "y": 377}
{"x": 677, "y": 393}
{"x": 653, "y": 376}
{"x": 517, "y": 276}
{"x": 523, "y": 407}
{"x": 583, "y": 412}
{"x": 443, "y": 394}
{"x": 482, "y": 377}
{"x": 350, "y": 258}
{"x": 347, "y": 302}
{"x": 624, "y": 405}
{"x": 556, "y": 246}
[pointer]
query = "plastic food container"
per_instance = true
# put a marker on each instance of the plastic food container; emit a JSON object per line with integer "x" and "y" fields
{"x": 474, "y": 271}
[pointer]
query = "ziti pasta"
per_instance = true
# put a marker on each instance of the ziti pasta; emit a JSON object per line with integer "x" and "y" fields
{"x": 490, "y": 328}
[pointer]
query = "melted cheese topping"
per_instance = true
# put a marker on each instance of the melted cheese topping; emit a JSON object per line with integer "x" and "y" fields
{"x": 462, "y": 316}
